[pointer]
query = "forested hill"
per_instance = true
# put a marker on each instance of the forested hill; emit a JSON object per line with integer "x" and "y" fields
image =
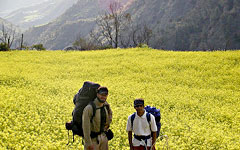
{"x": 176, "y": 24}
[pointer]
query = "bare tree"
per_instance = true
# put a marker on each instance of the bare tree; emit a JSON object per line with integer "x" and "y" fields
{"x": 110, "y": 24}
{"x": 19, "y": 42}
{"x": 135, "y": 34}
{"x": 116, "y": 28}
{"x": 86, "y": 43}
{"x": 7, "y": 35}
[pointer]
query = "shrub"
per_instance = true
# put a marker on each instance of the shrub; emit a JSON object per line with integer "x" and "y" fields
{"x": 38, "y": 47}
{"x": 4, "y": 47}
{"x": 142, "y": 45}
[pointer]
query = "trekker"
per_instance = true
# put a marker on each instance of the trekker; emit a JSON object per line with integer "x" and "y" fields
{"x": 144, "y": 132}
{"x": 94, "y": 127}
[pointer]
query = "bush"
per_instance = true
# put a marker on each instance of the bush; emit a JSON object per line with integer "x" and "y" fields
{"x": 105, "y": 47}
{"x": 38, "y": 47}
{"x": 4, "y": 47}
{"x": 142, "y": 45}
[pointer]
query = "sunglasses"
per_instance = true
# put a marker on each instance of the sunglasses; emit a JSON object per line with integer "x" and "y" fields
{"x": 136, "y": 106}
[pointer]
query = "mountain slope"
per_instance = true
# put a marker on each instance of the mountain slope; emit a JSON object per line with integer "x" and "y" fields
{"x": 7, "y": 6}
{"x": 191, "y": 24}
{"x": 177, "y": 25}
{"x": 8, "y": 26}
{"x": 40, "y": 13}
{"x": 79, "y": 19}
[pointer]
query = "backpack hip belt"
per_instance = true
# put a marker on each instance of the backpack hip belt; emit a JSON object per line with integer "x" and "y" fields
{"x": 95, "y": 134}
{"x": 142, "y": 137}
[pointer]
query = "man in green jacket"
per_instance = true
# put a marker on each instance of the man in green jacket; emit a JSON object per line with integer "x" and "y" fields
{"x": 94, "y": 127}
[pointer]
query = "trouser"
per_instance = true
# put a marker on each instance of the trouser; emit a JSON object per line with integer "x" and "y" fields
{"x": 140, "y": 148}
{"x": 100, "y": 142}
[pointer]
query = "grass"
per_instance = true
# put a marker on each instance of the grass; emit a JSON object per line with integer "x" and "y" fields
{"x": 197, "y": 92}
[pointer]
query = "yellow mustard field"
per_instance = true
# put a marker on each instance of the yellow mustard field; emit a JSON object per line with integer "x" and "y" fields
{"x": 198, "y": 94}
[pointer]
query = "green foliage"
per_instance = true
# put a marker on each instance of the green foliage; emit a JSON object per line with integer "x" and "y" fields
{"x": 142, "y": 45}
{"x": 197, "y": 92}
{"x": 38, "y": 47}
{"x": 105, "y": 47}
{"x": 87, "y": 44}
{"x": 4, "y": 47}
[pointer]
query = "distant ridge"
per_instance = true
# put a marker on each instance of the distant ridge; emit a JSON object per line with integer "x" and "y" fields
{"x": 40, "y": 13}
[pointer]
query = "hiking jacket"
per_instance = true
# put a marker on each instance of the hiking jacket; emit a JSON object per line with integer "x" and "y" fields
{"x": 94, "y": 126}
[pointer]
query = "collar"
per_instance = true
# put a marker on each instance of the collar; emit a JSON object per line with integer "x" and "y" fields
{"x": 143, "y": 116}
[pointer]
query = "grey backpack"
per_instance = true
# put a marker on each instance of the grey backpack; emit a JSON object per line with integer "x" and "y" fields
{"x": 85, "y": 96}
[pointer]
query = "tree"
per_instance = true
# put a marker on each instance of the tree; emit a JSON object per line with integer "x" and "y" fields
{"x": 7, "y": 36}
{"x": 84, "y": 44}
{"x": 110, "y": 24}
{"x": 134, "y": 34}
{"x": 89, "y": 43}
{"x": 19, "y": 42}
{"x": 116, "y": 28}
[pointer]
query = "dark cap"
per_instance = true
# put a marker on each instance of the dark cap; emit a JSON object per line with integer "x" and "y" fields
{"x": 138, "y": 101}
{"x": 102, "y": 90}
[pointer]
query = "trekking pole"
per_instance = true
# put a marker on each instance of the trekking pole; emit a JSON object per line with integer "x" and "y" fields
{"x": 145, "y": 144}
{"x": 161, "y": 137}
{"x": 166, "y": 143}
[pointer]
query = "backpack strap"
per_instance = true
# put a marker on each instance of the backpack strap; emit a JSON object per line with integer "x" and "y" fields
{"x": 103, "y": 118}
{"x": 103, "y": 114}
{"x": 149, "y": 120}
{"x": 148, "y": 117}
{"x": 132, "y": 118}
{"x": 94, "y": 109}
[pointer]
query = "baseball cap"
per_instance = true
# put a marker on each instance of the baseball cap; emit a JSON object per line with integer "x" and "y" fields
{"x": 138, "y": 101}
{"x": 102, "y": 90}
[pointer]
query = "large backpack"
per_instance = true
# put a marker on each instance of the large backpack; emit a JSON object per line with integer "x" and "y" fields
{"x": 85, "y": 95}
{"x": 155, "y": 112}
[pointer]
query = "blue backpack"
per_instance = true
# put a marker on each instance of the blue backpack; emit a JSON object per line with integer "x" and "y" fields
{"x": 155, "y": 112}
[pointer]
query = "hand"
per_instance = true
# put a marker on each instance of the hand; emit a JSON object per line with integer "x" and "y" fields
{"x": 153, "y": 148}
{"x": 90, "y": 147}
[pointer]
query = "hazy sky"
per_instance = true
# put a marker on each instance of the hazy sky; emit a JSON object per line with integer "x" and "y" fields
{"x": 9, "y": 5}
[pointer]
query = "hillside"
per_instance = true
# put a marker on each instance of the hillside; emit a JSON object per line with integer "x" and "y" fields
{"x": 4, "y": 22}
{"x": 63, "y": 31}
{"x": 177, "y": 25}
{"x": 191, "y": 24}
{"x": 7, "y": 6}
{"x": 198, "y": 94}
{"x": 8, "y": 25}
{"x": 39, "y": 14}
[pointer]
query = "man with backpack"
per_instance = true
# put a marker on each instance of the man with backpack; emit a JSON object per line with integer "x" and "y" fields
{"x": 95, "y": 127}
{"x": 144, "y": 127}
